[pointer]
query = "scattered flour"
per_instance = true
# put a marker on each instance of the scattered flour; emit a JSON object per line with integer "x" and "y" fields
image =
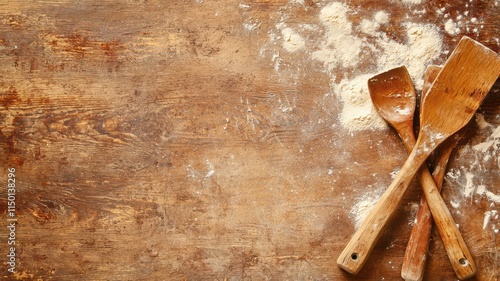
{"x": 451, "y": 27}
{"x": 481, "y": 190}
{"x": 490, "y": 146}
{"x": 394, "y": 173}
{"x": 454, "y": 204}
{"x": 488, "y": 215}
{"x": 364, "y": 204}
{"x": 454, "y": 174}
{"x": 423, "y": 46}
{"x": 251, "y": 25}
{"x": 469, "y": 179}
{"x": 470, "y": 186}
{"x": 344, "y": 43}
{"x": 369, "y": 27}
{"x": 292, "y": 41}
{"x": 382, "y": 17}
{"x": 339, "y": 47}
{"x": 412, "y": 2}
{"x": 343, "y": 47}
{"x": 244, "y": 6}
{"x": 358, "y": 111}
{"x": 211, "y": 170}
{"x": 462, "y": 22}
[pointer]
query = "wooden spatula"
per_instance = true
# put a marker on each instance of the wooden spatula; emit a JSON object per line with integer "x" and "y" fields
{"x": 451, "y": 102}
{"x": 415, "y": 257}
{"x": 394, "y": 99}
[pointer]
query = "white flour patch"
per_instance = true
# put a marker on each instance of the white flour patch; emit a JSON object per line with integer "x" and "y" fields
{"x": 451, "y": 27}
{"x": 412, "y": 2}
{"x": 463, "y": 21}
{"x": 454, "y": 204}
{"x": 292, "y": 41}
{"x": 381, "y": 17}
{"x": 424, "y": 45}
{"x": 471, "y": 186}
{"x": 394, "y": 173}
{"x": 487, "y": 149}
{"x": 364, "y": 205}
{"x": 488, "y": 216}
{"x": 210, "y": 171}
{"x": 358, "y": 112}
{"x": 369, "y": 27}
{"x": 453, "y": 174}
{"x": 341, "y": 46}
{"x": 490, "y": 146}
{"x": 251, "y": 25}
{"x": 492, "y": 197}
{"x": 245, "y": 6}
{"x": 472, "y": 179}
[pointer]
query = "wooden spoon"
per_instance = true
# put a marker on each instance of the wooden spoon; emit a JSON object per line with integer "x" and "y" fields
{"x": 394, "y": 99}
{"x": 413, "y": 267}
{"x": 451, "y": 102}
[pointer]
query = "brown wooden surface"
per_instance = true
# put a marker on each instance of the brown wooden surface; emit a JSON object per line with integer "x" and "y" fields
{"x": 155, "y": 140}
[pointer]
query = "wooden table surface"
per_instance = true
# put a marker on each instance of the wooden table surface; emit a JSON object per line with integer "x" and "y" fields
{"x": 207, "y": 140}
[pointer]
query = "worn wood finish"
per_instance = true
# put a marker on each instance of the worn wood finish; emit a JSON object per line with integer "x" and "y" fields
{"x": 157, "y": 140}
{"x": 447, "y": 107}
{"x": 414, "y": 261}
{"x": 393, "y": 96}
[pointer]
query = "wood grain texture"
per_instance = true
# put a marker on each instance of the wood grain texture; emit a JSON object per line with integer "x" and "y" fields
{"x": 449, "y": 105}
{"x": 414, "y": 261}
{"x": 155, "y": 140}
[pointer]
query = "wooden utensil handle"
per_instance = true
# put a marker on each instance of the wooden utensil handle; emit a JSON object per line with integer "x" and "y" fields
{"x": 458, "y": 253}
{"x": 356, "y": 253}
{"x": 415, "y": 257}
{"x": 416, "y": 251}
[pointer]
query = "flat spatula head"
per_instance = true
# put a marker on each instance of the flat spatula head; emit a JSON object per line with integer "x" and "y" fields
{"x": 458, "y": 90}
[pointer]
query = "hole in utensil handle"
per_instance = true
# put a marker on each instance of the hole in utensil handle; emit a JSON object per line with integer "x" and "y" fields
{"x": 354, "y": 256}
{"x": 463, "y": 262}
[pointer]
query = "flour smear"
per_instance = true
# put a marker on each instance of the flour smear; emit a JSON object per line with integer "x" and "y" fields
{"x": 470, "y": 179}
{"x": 468, "y": 182}
{"x": 365, "y": 204}
{"x": 342, "y": 46}
{"x": 461, "y": 21}
{"x": 350, "y": 45}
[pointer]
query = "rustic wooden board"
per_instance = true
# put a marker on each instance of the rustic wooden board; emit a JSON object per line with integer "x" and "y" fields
{"x": 179, "y": 140}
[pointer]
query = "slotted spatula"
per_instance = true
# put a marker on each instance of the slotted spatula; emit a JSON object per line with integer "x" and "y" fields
{"x": 453, "y": 99}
